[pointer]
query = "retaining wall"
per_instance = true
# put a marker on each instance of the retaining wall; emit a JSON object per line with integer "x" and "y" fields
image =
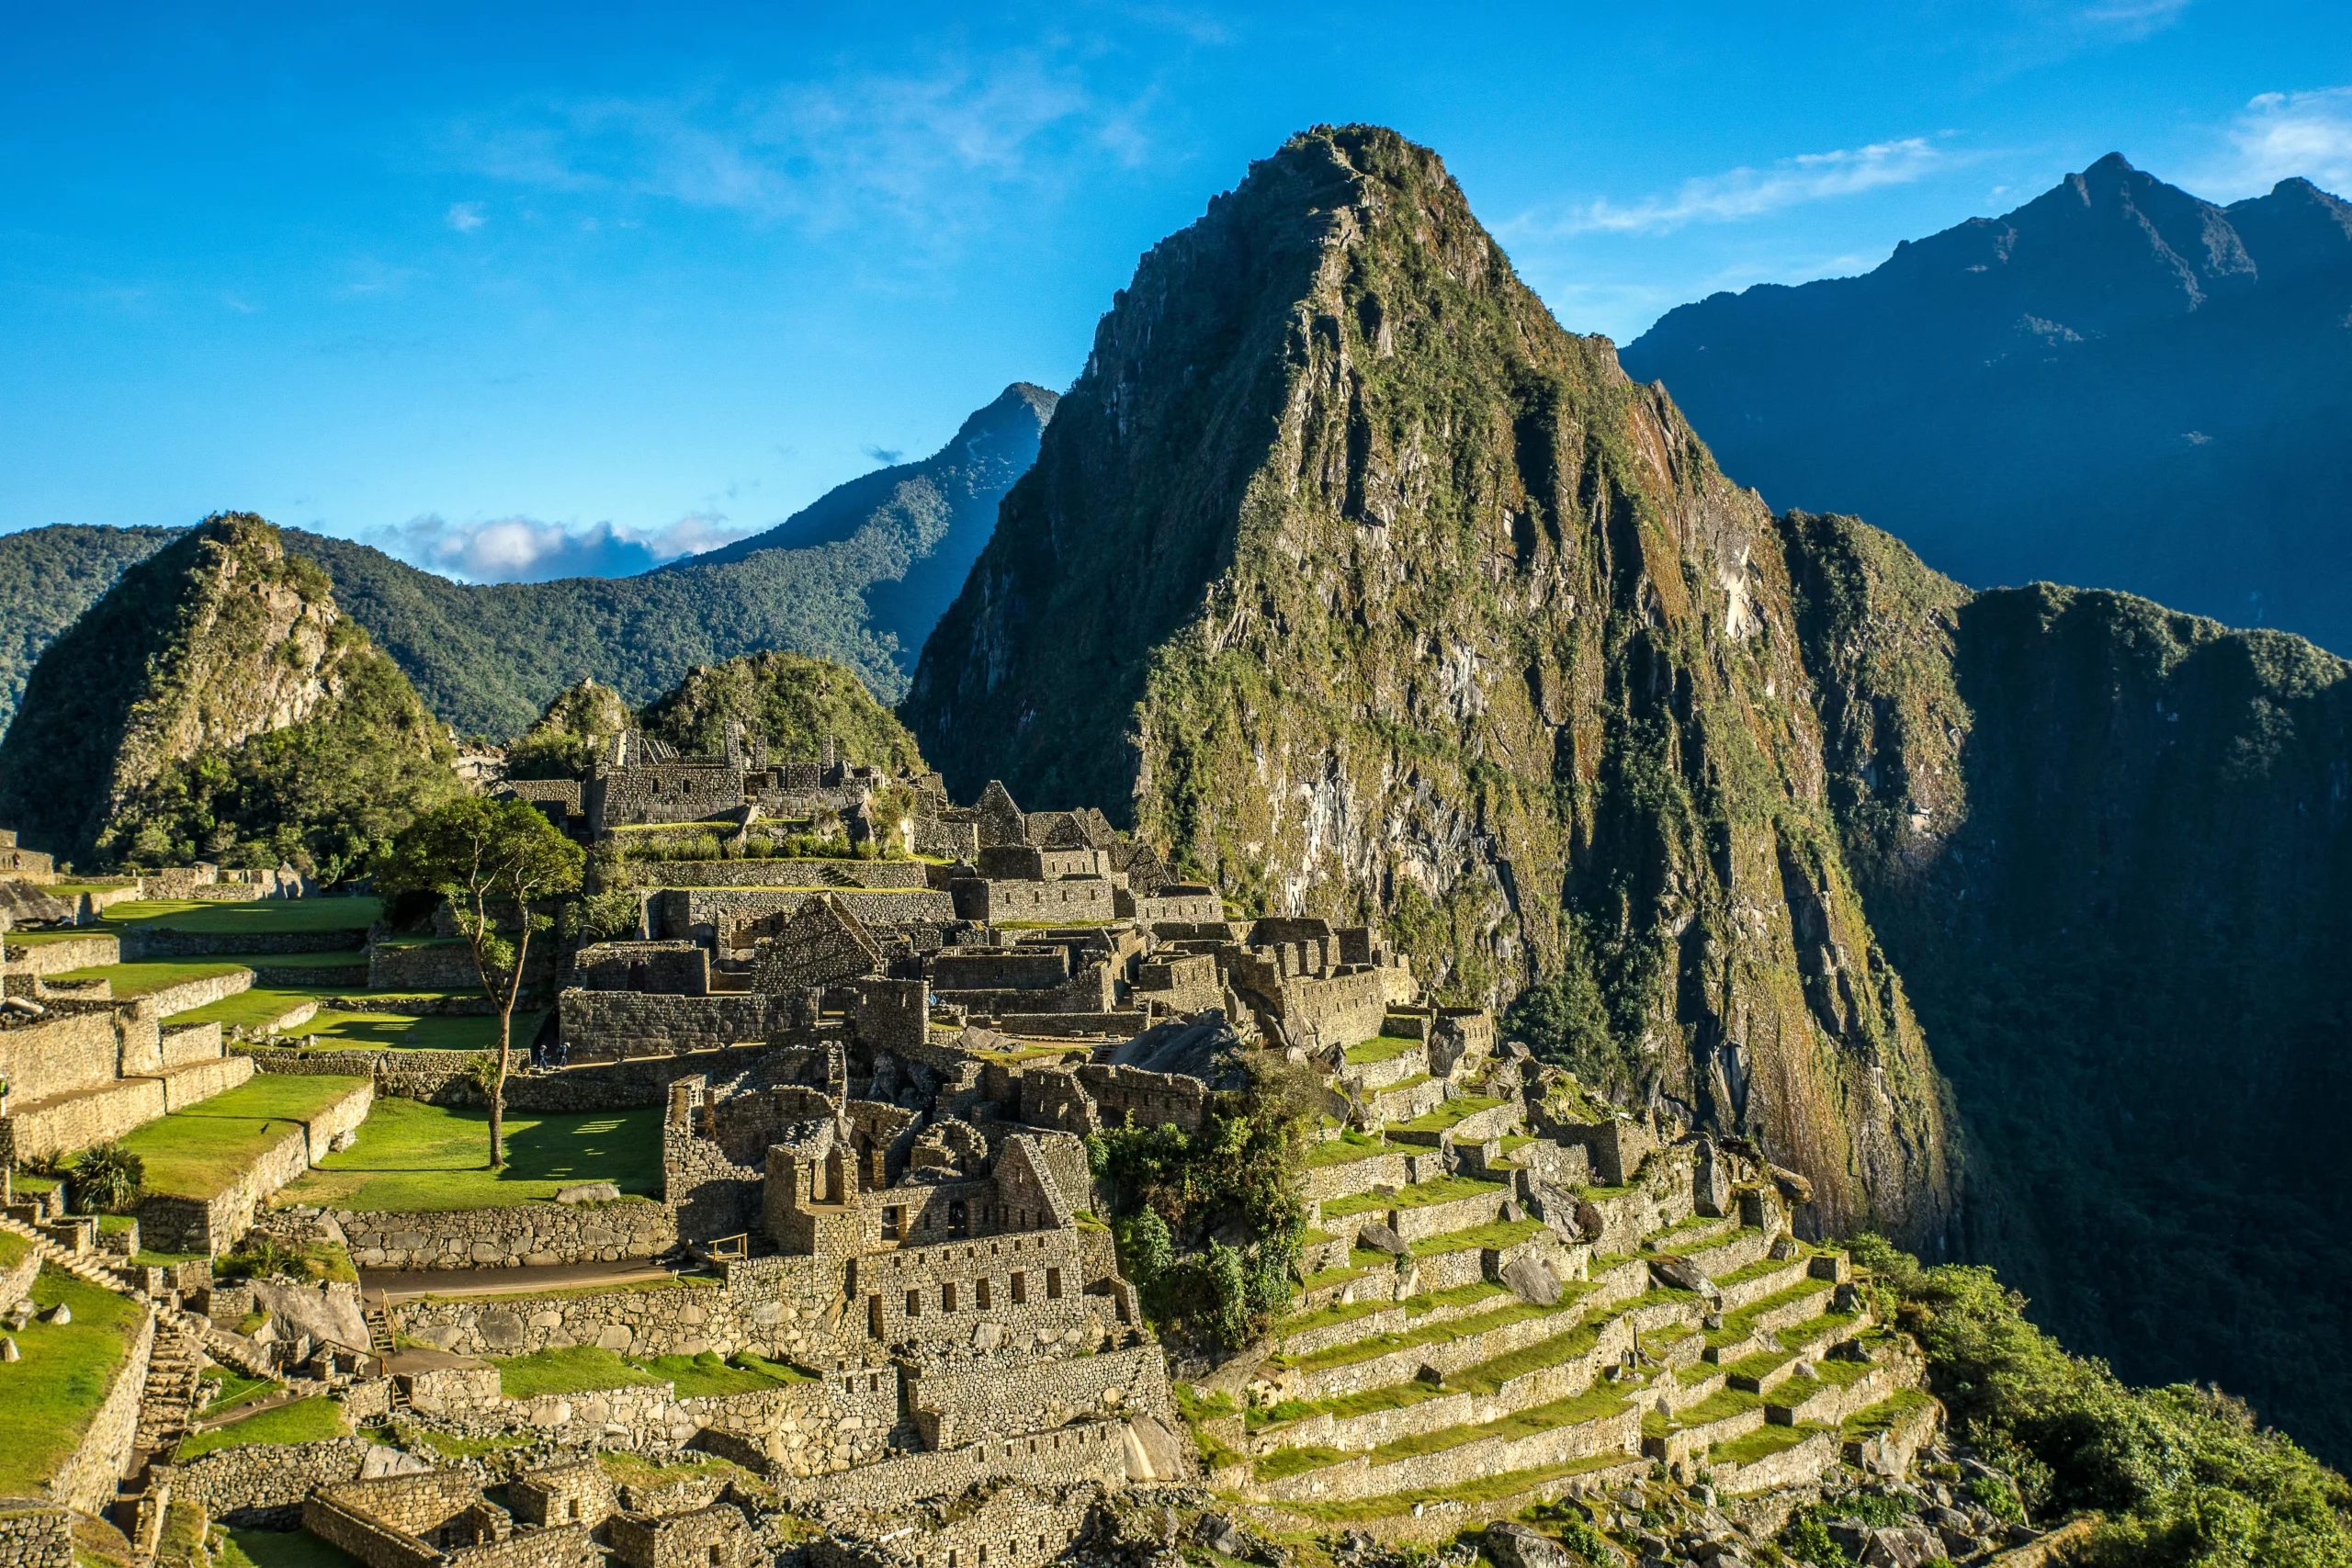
{"x": 86, "y": 1480}
{"x": 512, "y": 1236}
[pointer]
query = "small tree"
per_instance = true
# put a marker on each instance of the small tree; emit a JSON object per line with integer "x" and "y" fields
{"x": 491, "y": 859}
{"x": 106, "y": 1179}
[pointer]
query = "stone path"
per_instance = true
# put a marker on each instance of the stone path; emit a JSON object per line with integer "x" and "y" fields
{"x": 408, "y": 1284}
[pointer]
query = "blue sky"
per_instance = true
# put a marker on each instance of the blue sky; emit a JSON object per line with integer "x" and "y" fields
{"x": 520, "y": 290}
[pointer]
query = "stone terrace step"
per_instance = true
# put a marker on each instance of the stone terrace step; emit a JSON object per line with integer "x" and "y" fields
{"x": 1413, "y": 1096}
{"x": 1418, "y": 1211}
{"x": 1757, "y": 1325}
{"x": 1722, "y": 1417}
{"x": 1306, "y": 1333}
{"x": 1599, "y": 1422}
{"x": 1378, "y": 1063}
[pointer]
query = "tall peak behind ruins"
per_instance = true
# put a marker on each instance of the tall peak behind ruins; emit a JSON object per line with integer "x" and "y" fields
{"x": 1371, "y": 593}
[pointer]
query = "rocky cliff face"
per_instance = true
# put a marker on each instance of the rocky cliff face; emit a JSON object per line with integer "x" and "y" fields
{"x": 1370, "y": 592}
{"x": 217, "y": 640}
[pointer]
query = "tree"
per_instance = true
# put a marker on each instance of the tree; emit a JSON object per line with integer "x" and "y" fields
{"x": 106, "y": 1179}
{"x": 492, "y": 860}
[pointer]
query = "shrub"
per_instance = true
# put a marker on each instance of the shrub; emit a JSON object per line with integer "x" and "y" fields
{"x": 107, "y": 1179}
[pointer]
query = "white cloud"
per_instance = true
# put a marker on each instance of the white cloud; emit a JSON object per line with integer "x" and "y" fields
{"x": 529, "y": 549}
{"x": 2131, "y": 18}
{"x": 465, "y": 217}
{"x": 2283, "y": 134}
{"x": 1744, "y": 192}
{"x": 928, "y": 147}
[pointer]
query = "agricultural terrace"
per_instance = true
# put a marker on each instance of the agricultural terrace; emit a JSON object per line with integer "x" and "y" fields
{"x": 48, "y": 1399}
{"x": 412, "y": 1156}
{"x": 261, "y": 917}
{"x": 198, "y": 1152}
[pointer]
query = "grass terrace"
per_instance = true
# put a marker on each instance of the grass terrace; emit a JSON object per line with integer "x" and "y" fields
{"x": 1740, "y": 1325}
{"x": 1345, "y": 1149}
{"x": 1452, "y": 1113}
{"x": 142, "y": 976}
{"x": 48, "y": 1399}
{"x": 197, "y": 1152}
{"x": 303, "y": 1421}
{"x": 1460, "y": 1295}
{"x": 584, "y": 1368}
{"x": 1882, "y": 1417}
{"x": 1512, "y": 1311}
{"x": 1420, "y": 1195}
{"x": 1471, "y": 1494}
{"x": 226, "y": 1390}
{"x": 1497, "y": 1235}
{"x": 1380, "y": 1048}
{"x": 273, "y": 917}
{"x": 1600, "y": 1400}
{"x": 358, "y": 1031}
{"x": 275, "y": 1549}
{"x": 1762, "y": 1443}
{"x": 413, "y": 1157}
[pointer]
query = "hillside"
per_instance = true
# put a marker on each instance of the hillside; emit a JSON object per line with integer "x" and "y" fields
{"x": 216, "y": 702}
{"x": 47, "y": 575}
{"x": 2116, "y": 384}
{"x": 857, "y": 577}
{"x": 1368, "y": 591}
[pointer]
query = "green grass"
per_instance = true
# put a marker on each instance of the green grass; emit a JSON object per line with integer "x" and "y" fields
{"x": 1381, "y": 1048}
{"x": 304, "y": 1421}
{"x": 1460, "y": 1295}
{"x": 1740, "y": 1325}
{"x": 144, "y": 977}
{"x": 13, "y": 1248}
{"x": 227, "y": 1389}
{"x": 1420, "y": 1195}
{"x": 258, "y": 1007}
{"x": 413, "y": 1157}
{"x": 1495, "y": 1233}
{"x": 1762, "y": 1443}
{"x": 1345, "y": 1149}
{"x": 48, "y": 1399}
{"x": 1486, "y": 1489}
{"x": 1452, "y": 1113}
{"x": 1716, "y": 1406}
{"x": 1883, "y": 1415}
{"x": 1514, "y": 1310}
{"x": 256, "y": 917}
{"x": 198, "y": 1152}
{"x": 709, "y": 1375}
{"x": 349, "y": 1031}
{"x": 1592, "y": 1404}
{"x": 277, "y": 1549}
{"x": 579, "y": 1370}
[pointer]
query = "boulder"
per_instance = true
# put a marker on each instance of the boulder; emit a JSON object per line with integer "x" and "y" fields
{"x": 1380, "y": 1238}
{"x": 1532, "y": 1279}
{"x": 8, "y": 1351}
{"x": 380, "y": 1461}
{"x": 327, "y": 1316}
{"x": 1513, "y": 1545}
{"x": 1794, "y": 1188}
{"x": 1216, "y": 1532}
{"x": 61, "y": 1313}
{"x": 587, "y": 1192}
{"x": 1684, "y": 1275}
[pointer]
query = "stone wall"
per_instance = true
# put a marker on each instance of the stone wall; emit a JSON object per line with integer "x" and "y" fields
{"x": 662, "y": 792}
{"x": 969, "y": 1402}
{"x": 185, "y": 1042}
{"x": 77, "y": 1046}
{"x": 141, "y": 941}
{"x": 778, "y": 872}
{"x": 264, "y": 1484}
{"x": 189, "y": 995}
{"x": 778, "y": 1306}
{"x": 72, "y": 953}
{"x": 210, "y": 1225}
{"x": 1076, "y": 900}
{"x": 807, "y": 1429}
{"x": 77, "y": 1120}
{"x": 1154, "y": 1099}
{"x": 35, "y": 1535}
{"x": 512, "y": 1236}
{"x": 445, "y": 1078}
{"x": 1015, "y": 1292}
{"x": 193, "y": 1082}
{"x": 649, "y": 1024}
{"x": 700, "y": 914}
{"x": 1339, "y": 1009}
{"x": 446, "y": 965}
{"x": 86, "y": 1480}
{"x": 672, "y": 968}
{"x": 1095, "y": 1450}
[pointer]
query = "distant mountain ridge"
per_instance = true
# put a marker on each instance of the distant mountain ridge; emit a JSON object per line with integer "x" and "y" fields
{"x": 2116, "y": 384}
{"x": 858, "y": 577}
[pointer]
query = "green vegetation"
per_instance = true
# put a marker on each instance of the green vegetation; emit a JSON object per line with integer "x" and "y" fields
{"x": 225, "y": 1390}
{"x": 303, "y": 1421}
{"x": 1381, "y": 1048}
{"x": 432, "y": 1031}
{"x": 275, "y": 1549}
{"x": 198, "y": 1152}
{"x": 495, "y": 862}
{"x": 413, "y": 1157}
{"x": 48, "y": 576}
{"x": 1345, "y": 1149}
{"x": 710, "y": 1374}
{"x": 1418, "y": 1195}
{"x": 1452, "y": 1113}
{"x": 792, "y": 699}
{"x": 581, "y": 1369}
{"x": 1762, "y": 1443}
{"x": 257, "y": 916}
{"x": 47, "y": 1399}
{"x": 141, "y": 736}
{"x": 1170, "y": 1190}
{"x": 2183, "y": 1475}
{"x": 145, "y": 977}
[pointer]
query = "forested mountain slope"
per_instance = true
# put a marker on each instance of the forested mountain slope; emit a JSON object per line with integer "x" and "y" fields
{"x": 857, "y": 577}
